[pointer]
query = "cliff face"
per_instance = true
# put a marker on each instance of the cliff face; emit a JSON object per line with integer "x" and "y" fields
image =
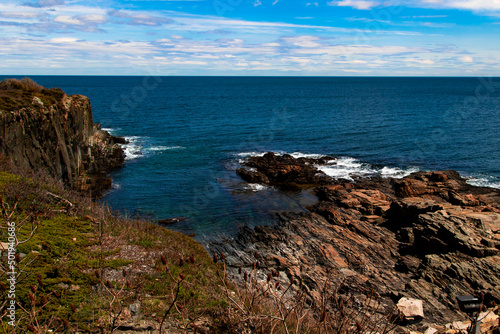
{"x": 44, "y": 129}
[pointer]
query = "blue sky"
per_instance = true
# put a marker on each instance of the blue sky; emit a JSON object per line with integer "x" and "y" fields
{"x": 250, "y": 37}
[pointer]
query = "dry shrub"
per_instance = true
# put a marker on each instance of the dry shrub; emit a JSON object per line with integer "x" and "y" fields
{"x": 265, "y": 306}
{"x": 26, "y": 84}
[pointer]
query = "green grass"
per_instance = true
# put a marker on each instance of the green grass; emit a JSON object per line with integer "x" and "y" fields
{"x": 62, "y": 258}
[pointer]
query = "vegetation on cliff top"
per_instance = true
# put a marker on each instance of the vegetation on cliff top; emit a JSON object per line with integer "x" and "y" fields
{"x": 16, "y": 94}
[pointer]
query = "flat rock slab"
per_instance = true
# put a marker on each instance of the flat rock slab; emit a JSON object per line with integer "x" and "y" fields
{"x": 412, "y": 309}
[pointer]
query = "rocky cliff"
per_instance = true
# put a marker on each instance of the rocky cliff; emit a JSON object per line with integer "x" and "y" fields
{"x": 429, "y": 237}
{"x": 45, "y": 129}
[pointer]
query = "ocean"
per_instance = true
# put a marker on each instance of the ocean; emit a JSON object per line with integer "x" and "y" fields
{"x": 188, "y": 135}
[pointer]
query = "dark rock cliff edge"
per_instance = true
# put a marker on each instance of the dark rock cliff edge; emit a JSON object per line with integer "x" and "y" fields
{"x": 45, "y": 129}
{"x": 429, "y": 236}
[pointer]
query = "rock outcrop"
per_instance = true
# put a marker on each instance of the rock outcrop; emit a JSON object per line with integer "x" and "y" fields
{"x": 45, "y": 129}
{"x": 428, "y": 237}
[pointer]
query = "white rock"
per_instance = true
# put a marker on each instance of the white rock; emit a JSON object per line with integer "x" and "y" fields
{"x": 412, "y": 309}
{"x": 431, "y": 330}
{"x": 37, "y": 101}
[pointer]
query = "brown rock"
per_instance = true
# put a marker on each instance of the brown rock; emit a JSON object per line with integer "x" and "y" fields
{"x": 427, "y": 237}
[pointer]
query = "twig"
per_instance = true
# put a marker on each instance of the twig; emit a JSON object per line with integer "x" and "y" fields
{"x": 171, "y": 305}
{"x": 59, "y": 197}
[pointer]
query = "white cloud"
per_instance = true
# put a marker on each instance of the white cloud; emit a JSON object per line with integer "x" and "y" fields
{"x": 62, "y": 40}
{"x": 467, "y": 59}
{"x": 349, "y": 50}
{"x": 188, "y": 62}
{"x": 358, "y": 4}
{"x": 135, "y": 18}
{"x": 303, "y": 41}
{"x": 67, "y": 20}
{"x": 18, "y": 15}
{"x": 95, "y": 18}
{"x": 475, "y": 5}
{"x": 419, "y": 61}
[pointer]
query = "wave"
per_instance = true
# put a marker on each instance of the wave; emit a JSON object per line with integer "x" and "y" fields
{"x": 111, "y": 131}
{"x": 484, "y": 181}
{"x": 164, "y": 148}
{"x": 133, "y": 150}
{"x": 139, "y": 147}
{"x": 256, "y": 187}
{"x": 348, "y": 168}
{"x": 296, "y": 155}
{"x": 250, "y": 154}
{"x": 344, "y": 167}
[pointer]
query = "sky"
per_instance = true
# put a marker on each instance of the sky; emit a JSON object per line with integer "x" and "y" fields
{"x": 250, "y": 37}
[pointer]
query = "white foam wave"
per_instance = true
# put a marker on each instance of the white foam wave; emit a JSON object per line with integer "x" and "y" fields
{"x": 484, "y": 182}
{"x": 133, "y": 150}
{"x": 139, "y": 147}
{"x": 251, "y": 154}
{"x": 397, "y": 173}
{"x": 297, "y": 155}
{"x": 164, "y": 148}
{"x": 255, "y": 187}
{"x": 343, "y": 167}
{"x": 347, "y": 168}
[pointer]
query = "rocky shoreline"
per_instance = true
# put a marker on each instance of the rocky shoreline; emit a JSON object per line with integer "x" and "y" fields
{"x": 429, "y": 237}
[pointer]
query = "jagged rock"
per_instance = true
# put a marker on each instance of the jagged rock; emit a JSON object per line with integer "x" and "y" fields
{"x": 429, "y": 236}
{"x": 283, "y": 170}
{"x": 58, "y": 136}
{"x": 252, "y": 176}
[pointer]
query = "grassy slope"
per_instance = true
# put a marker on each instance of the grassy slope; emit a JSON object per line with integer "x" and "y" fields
{"x": 83, "y": 267}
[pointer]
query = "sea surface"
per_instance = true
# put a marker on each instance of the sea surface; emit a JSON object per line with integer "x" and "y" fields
{"x": 188, "y": 135}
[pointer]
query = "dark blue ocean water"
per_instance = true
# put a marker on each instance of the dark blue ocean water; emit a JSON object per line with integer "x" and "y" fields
{"x": 188, "y": 134}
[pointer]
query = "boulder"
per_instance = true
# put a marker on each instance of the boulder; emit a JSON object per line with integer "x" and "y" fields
{"x": 412, "y": 309}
